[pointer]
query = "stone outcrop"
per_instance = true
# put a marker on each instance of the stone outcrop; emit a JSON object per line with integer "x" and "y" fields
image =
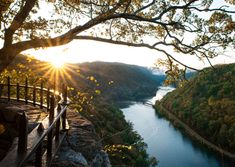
{"x": 82, "y": 146}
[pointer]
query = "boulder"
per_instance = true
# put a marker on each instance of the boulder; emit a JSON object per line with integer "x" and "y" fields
{"x": 81, "y": 142}
{"x": 73, "y": 157}
{"x": 101, "y": 160}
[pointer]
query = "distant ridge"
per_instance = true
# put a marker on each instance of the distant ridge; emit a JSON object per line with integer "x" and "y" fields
{"x": 116, "y": 81}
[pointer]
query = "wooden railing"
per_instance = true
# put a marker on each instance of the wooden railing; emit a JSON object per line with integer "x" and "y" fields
{"x": 50, "y": 132}
{"x": 36, "y": 95}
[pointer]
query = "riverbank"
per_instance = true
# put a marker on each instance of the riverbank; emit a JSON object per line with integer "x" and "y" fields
{"x": 124, "y": 145}
{"x": 191, "y": 132}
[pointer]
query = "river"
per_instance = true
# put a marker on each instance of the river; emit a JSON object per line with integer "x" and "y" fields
{"x": 166, "y": 143}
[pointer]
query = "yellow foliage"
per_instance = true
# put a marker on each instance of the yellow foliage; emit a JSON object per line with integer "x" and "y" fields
{"x": 230, "y": 1}
{"x": 111, "y": 82}
{"x": 160, "y": 31}
{"x": 97, "y": 92}
{"x": 2, "y": 129}
{"x": 92, "y": 78}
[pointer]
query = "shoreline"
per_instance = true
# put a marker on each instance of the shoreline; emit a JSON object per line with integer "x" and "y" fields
{"x": 188, "y": 130}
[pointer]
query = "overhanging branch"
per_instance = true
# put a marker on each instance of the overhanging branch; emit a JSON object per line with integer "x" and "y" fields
{"x": 18, "y": 21}
{"x": 144, "y": 45}
{"x": 68, "y": 36}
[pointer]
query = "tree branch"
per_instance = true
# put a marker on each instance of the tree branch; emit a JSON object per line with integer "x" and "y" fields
{"x": 174, "y": 8}
{"x": 18, "y": 21}
{"x": 212, "y": 10}
{"x": 68, "y": 36}
{"x": 145, "y": 7}
{"x": 133, "y": 45}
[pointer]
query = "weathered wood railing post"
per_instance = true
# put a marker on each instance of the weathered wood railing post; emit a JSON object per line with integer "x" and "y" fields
{"x": 1, "y": 90}
{"x": 57, "y": 130}
{"x": 38, "y": 156}
{"x": 49, "y": 128}
{"x": 54, "y": 86}
{"x": 39, "y": 150}
{"x": 23, "y": 133}
{"x": 26, "y": 90}
{"x": 17, "y": 91}
{"x": 34, "y": 95}
{"x": 8, "y": 89}
{"x": 52, "y": 108}
{"x": 51, "y": 118}
{"x": 48, "y": 99}
{"x": 65, "y": 96}
{"x": 41, "y": 95}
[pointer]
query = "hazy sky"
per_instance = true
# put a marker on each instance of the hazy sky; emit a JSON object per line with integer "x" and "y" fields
{"x": 83, "y": 51}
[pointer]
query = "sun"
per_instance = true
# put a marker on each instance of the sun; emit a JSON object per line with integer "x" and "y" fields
{"x": 58, "y": 64}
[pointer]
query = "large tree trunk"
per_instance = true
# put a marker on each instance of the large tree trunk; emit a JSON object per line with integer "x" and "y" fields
{"x": 7, "y": 55}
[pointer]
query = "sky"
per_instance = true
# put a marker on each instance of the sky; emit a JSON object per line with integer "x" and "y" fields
{"x": 88, "y": 51}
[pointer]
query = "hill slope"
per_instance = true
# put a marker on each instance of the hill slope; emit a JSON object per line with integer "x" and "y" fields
{"x": 207, "y": 104}
{"x": 115, "y": 81}
{"x": 121, "y": 81}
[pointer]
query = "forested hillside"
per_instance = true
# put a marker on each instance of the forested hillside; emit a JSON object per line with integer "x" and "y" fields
{"x": 122, "y": 82}
{"x": 207, "y": 104}
{"x": 92, "y": 88}
{"x": 113, "y": 81}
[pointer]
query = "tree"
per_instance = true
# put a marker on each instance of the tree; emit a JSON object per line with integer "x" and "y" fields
{"x": 24, "y": 25}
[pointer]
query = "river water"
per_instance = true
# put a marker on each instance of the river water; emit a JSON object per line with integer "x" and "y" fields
{"x": 171, "y": 147}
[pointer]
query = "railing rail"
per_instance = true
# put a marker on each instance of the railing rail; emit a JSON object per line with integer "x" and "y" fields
{"x": 51, "y": 130}
{"x": 22, "y": 93}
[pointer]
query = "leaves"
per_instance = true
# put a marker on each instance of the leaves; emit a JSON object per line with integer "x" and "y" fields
{"x": 150, "y": 24}
{"x": 206, "y": 103}
{"x": 97, "y": 91}
{"x": 111, "y": 82}
{"x": 174, "y": 74}
{"x": 2, "y": 128}
{"x": 231, "y": 1}
{"x": 19, "y": 73}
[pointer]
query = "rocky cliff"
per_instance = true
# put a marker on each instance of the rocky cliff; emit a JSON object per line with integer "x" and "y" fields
{"x": 82, "y": 147}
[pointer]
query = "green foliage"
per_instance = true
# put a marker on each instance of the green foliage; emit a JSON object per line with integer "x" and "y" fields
{"x": 207, "y": 104}
{"x": 174, "y": 74}
{"x": 19, "y": 73}
{"x": 124, "y": 145}
{"x": 24, "y": 26}
{"x": 120, "y": 81}
{"x": 111, "y": 81}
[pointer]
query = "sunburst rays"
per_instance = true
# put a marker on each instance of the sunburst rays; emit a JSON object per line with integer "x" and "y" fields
{"x": 57, "y": 74}
{"x": 58, "y": 64}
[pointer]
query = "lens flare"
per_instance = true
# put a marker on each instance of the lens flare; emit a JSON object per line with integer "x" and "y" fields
{"x": 58, "y": 64}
